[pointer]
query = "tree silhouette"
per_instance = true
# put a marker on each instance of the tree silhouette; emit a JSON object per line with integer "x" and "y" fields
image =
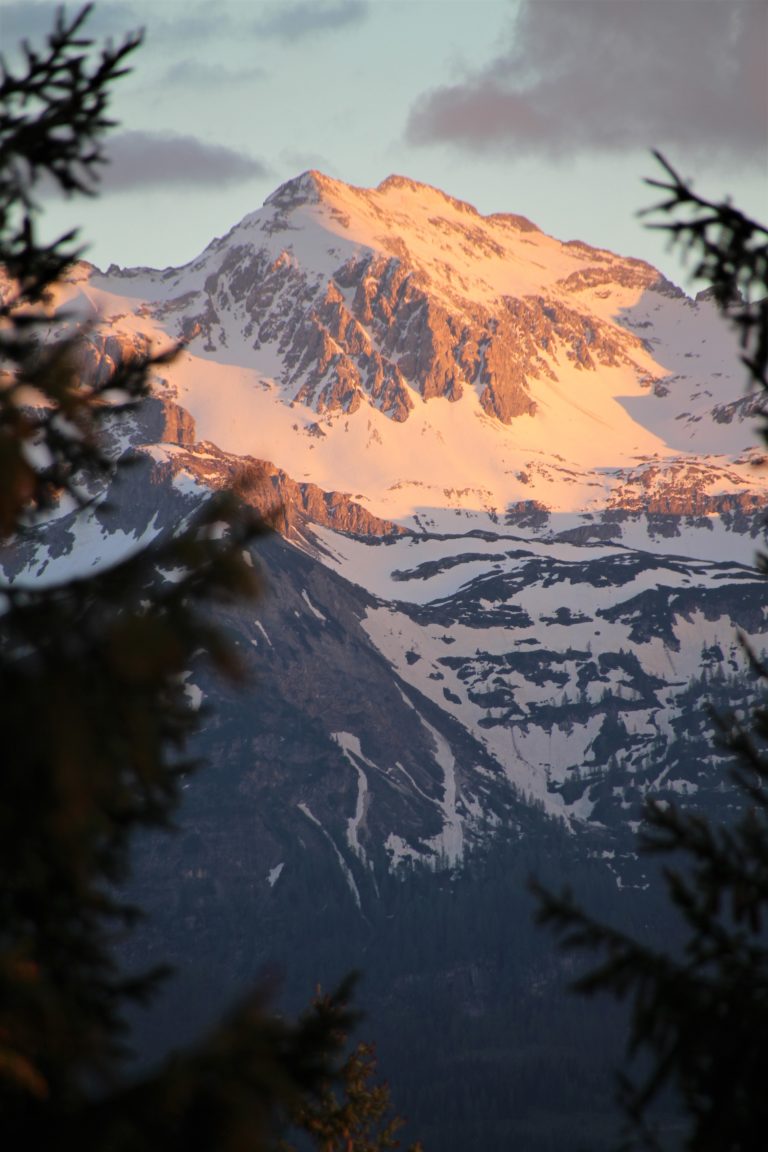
{"x": 699, "y": 1011}
{"x": 94, "y": 713}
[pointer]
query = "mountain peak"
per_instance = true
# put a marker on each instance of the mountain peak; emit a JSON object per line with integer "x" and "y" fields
{"x": 395, "y": 183}
{"x": 313, "y": 187}
{"x": 309, "y": 188}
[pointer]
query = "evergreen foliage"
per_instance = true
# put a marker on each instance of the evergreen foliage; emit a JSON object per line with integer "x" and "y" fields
{"x": 94, "y": 713}
{"x": 354, "y": 1115}
{"x": 697, "y": 1061}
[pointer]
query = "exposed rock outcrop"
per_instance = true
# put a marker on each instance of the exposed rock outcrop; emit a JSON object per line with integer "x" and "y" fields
{"x": 100, "y": 354}
{"x": 285, "y": 503}
{"x": 685, "y": 489}
{"x": 292, "y": 504}
{"x": 162, "y": 421}
{"x": 375, "y": 331}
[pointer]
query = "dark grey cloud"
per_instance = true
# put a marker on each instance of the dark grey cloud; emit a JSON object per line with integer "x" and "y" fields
{"x": 164, "y": 160}
{"x": 614, "y": 75}
{"x": 292, "y": 20}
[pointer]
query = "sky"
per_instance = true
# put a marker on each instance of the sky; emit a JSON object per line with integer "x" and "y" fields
{"x": 545, "y": 108}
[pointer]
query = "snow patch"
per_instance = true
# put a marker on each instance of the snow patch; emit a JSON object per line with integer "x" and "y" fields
{"x": 193, "y": 694}
{"x": 315, "y": 611}
{"x": 263, "y": 631}
{"x": 350, "y": 746}
{"x": 400, "y": 852}
{"x": 342, "y": 862}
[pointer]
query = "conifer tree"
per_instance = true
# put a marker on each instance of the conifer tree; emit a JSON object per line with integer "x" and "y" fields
{"x": 352, "y": 1112}
{"x": 699, "y": 1011}
{"x": 94, "y": 716}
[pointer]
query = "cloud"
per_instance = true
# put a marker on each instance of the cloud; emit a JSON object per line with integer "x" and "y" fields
{"x": 171, "y": 23}
{"x": 611, "y": 76}
{"x": 165, "y": 160}
{"x": 297, "y": 20}
{"x": 26, "y": 20}
{"x": 197, "y": 24}
{"x": 201, "y": 74}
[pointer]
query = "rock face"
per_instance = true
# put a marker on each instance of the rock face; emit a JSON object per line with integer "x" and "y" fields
{"x": 373, "y": 330}
{"x": 102, "y": 352}
{"x": 292, "y": 505}
{"x": 681, "y": 495}
{"x": 286, "y": 504}
{"x": 162, "y": 421}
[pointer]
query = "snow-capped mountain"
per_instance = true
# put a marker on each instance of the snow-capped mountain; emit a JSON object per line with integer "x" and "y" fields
{"x": 395, "y": 343}
{"x": 519, "y": 492}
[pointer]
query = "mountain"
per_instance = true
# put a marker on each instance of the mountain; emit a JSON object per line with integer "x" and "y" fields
{"x": 530, "y": 463}
{"x": 518, "y": 498}
{"x": 397, "y": 344}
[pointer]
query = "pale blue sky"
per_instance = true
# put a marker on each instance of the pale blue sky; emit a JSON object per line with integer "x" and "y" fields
{"x": 540, "y": 107}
